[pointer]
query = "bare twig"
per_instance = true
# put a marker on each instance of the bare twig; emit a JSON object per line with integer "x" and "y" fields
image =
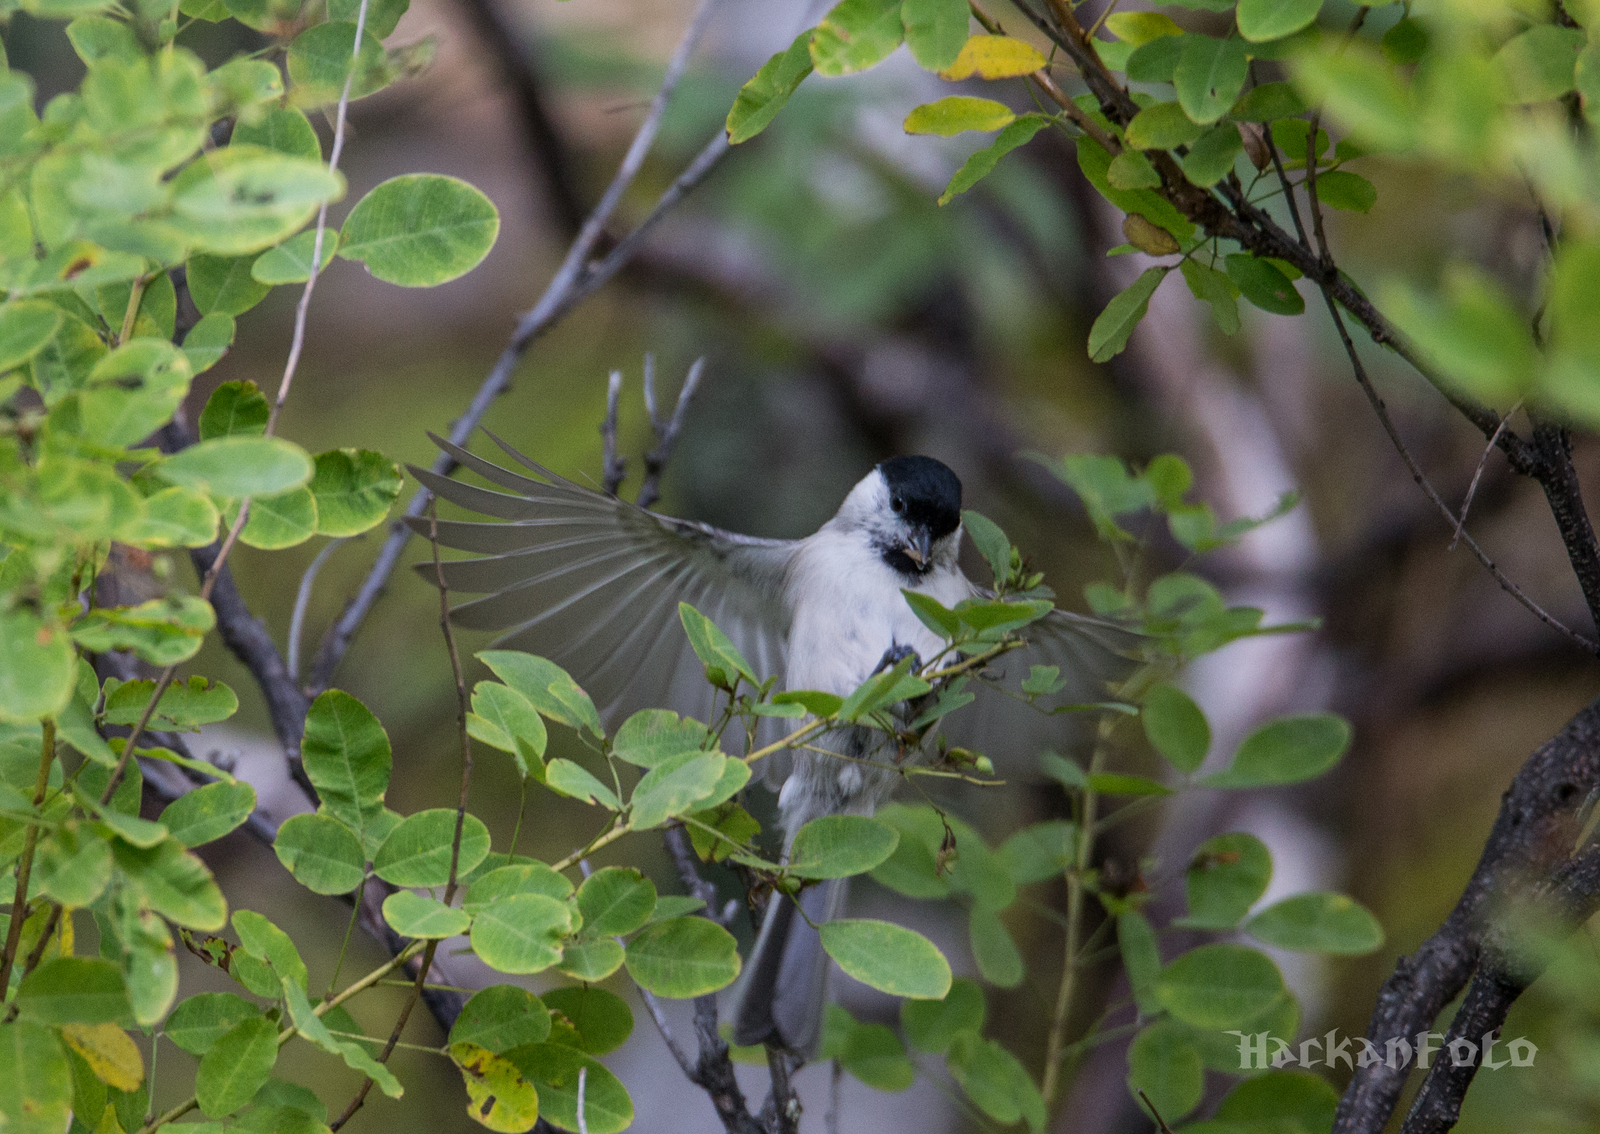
{"x": 615, "y": 467}
{"x": 583, "y": 1119}
{"x": 302, "y": 599}
{"x": 576, "y": 279}
{"x": 655, "y": 461}
{"x": 30, "y": 840}
{"x": 1477, "y": 475}
{"x": 835, "y": 1081}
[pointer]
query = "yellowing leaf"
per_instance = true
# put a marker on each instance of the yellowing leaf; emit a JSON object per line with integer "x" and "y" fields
{"x": 1139, "y": 28}
{"x": 498, "y": 1096}
{"x": 109, "y": 1052}
{"x": 1147, "y": 237}
{"x": 994, "y": 57}
{"x": 955, "y": 115}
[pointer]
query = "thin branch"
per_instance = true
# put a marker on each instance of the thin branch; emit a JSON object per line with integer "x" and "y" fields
{"x": 655, "y": 461}
{"x": 615, "y": 467}
{"x": 19, "y": 902}
{"x": 1432, "y": 493}
{"x": 302, "y": 599}
{"x": 576, "y": 280}
{"x": 1477, "y": 475}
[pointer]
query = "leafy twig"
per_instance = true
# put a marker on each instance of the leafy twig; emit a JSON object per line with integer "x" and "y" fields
{"x": 30, "y": 840}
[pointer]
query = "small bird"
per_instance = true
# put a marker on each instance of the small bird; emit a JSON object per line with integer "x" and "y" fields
{"x": 593, "y": 583}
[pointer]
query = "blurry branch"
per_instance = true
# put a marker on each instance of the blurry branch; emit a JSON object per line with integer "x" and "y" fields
{"x": 302, "y": 600}
{"x": 511, "y": 55}
{"x": 655, "y": 461}
{"x": 578, "y": 278}
{"x": 614, "y": 468}
{"x": 712, "y": 1069}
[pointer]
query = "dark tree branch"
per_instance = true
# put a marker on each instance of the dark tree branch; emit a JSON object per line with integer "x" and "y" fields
{"x": 550, "y": 152}
{"x": 666, "y": 431}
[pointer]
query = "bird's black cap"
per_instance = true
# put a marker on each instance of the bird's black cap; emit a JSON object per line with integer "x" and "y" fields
{"x": 925, "y": 492}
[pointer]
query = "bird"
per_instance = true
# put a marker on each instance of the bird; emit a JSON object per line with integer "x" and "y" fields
{"x": 594, "y": 583}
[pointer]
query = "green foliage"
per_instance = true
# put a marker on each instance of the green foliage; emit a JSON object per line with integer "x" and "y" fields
{"x": 888, "y": 957}
{"x": 683, "y": 957}
{"x": 419, "y": 230}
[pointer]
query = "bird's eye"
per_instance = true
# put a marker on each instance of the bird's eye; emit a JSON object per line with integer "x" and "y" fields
{"x": 898, "y": 504}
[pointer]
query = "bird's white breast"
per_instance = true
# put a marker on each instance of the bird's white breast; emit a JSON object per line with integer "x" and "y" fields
{"x": 847, "y": 610}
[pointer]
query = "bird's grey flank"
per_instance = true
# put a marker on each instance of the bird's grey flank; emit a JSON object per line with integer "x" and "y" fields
{"x": 593, "y": 583}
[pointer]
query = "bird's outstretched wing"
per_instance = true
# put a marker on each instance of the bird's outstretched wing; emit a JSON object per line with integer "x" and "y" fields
{"x": 1091, "y": 654}
{"x": 593, "y": 583}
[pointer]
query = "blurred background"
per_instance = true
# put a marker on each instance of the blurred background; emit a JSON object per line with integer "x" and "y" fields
{"x": 846, "y": 318}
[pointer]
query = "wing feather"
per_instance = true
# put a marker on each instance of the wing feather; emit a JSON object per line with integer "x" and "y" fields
{"x": 593, "y": 583}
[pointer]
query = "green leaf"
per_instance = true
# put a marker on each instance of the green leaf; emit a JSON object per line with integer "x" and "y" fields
{"x": 1176, "y": 727}
{"x": 37, "y": 667}
{"x": 1286, "y": 751}
{"x": 875, "y": 1055}
{"x": 1539, "y": 64}
{"x": 815, "y": 702}
{"x": 498, "y": 1096}
{"x": 25, "y": 326}
{"x": 503, "y": 718}
{"x": 576, "y": 782}
{"x": 132, "y": 390}
{"x": 673, "y": 786}
{"x": 651, "y": 736}
{"x": 1132, "y": 170}
{"x": 346, "y": 754}
{"x": 1317, "y": 923}
{"x": 856, "y": 35}
{"x": 284, "y": 519}
{"x": 683, "y": 957}
{"x": 554, "y": 1068}
{"x": 312, "y": 1028}
{"x": 234, "y": 409}
{"x": 1218, "y": 986}
{"x": 991, "y": 541}
{"x": 161, "y": 631}
{"x": 1341, "y": 189}
{"x": 73, "y": 866}
{"x": 615, "y": 901}
{"x": 1040, "y": 852}
{"x": 354, "y": 489}
{"x": 323, "y": 854}
{"x": 290, "y": 262}
{"x": 1210, "y": 75}
{"x": 1296, "y": 1100}
{"x": 999, "y": 961}
{"x": 239, "y": 466}
{"x": 1163, "y": 126}
{"x": 888, "y": 957}
{"x": 1227, "y": 875}
{"x": 1474, "y": 332}
{"x": 241, "y": 199}
{"x": 501, "y": 1017}
{"x": 837, "y": 846}
{"x": 1111, "y": 329}
{"x": 1140, "y": 959}
{"x": 174, "y": 883}
{"x": 35, "y": 1079}
{"x": 768, "y": 91}
{"x": 1264, "y": 285}
{"x": 412, "y": 915}
{"x": 982, "y": 162}
{"x": 714, "y": 648}
{"x": 1213, "y": 287}
{"x": 198, "y": 1022}
{"x": 932, "y": 1025}
{"x": 1268, "y": 103}
{"x": 520, "y": 878}
{"x": 74, "y": 990}
{"x": 521, "y": 933}
{"x": 935, "y": 31}
{"x": 1109, "y": 783}
{"x": 266, "y": 942}
{"x": 284, "y": 129}
{"x": 320, "y": 58}
{"x": 420, "y": 230}
{"x": 417, "y": 852}
{"x": 1262, "y": 20}
{"x": 382, "y": 15}
{"x": 209, "y": 812}
{"x": 735, "y": 826}
{"x": 591, "y": 1019}
{"x": 957, "y": 114}
{"x": 549, "y": 687}
{"x": 1362, "y": 92}
{"x": 236, "y": 1067}
{"x": 1165, "y": 1065}
{"x": 591, "y": 958}
{"x": 995, "y": 1081}
{"x": 222, "y": 285}
{"x": 207, "y": 341}
{"x": 1212, "y": 156}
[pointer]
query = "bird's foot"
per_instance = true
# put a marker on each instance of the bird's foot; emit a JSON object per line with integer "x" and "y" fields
{"x": 896, "y": 654}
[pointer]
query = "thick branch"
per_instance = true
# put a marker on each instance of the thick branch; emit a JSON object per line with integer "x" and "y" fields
{"x": 1559, "y": 480}
{"x": 1529, "y": 850}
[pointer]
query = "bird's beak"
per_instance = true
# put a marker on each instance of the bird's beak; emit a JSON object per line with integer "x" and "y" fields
{"x": 919, "y": 548}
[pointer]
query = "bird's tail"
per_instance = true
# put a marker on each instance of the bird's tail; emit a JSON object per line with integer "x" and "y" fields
{"x": 779, "y": 1000}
